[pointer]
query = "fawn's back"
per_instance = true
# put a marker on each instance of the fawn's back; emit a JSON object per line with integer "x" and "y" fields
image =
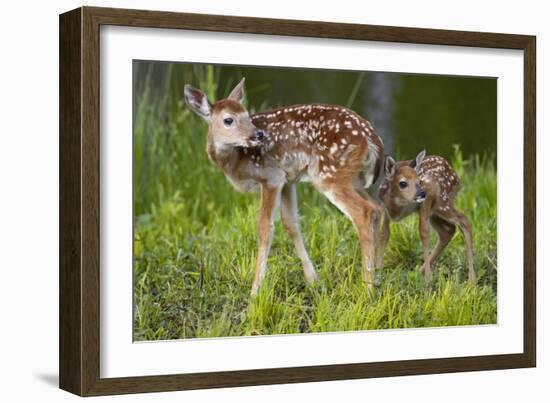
{"x": 317, "y": 142}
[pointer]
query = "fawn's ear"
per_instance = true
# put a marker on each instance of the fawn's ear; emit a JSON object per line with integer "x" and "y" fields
{"x": 197, "y": 101}
{"x": 418, "y": 160}
{"x": 389, "y": 166}
{"x": 238, "y": 92}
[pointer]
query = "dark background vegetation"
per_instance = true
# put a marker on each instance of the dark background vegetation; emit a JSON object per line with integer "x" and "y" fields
{"x": 408, "y": 110}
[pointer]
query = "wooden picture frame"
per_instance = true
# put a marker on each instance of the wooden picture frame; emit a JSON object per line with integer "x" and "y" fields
{"x": 80, "y": 199}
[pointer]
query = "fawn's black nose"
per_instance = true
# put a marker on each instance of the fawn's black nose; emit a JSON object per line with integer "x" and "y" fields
{"x": 422, "y": 194}
{"x": 259, "y": 134}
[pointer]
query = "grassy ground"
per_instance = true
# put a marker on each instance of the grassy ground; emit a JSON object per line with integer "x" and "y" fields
{"x": 195, "y": 248}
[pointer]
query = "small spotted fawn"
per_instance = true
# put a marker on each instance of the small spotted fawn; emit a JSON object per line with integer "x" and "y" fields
{"x": 427, "y": 185}
{"x": 332, "y": 147}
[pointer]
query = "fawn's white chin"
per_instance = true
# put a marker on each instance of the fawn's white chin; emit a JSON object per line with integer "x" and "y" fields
{"x": 419, "y": 199}
{"x": 243, "y": 144}
{"x": 252, "y": 143}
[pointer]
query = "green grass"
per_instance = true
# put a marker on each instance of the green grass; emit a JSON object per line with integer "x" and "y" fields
{"x": 195, "y": 247}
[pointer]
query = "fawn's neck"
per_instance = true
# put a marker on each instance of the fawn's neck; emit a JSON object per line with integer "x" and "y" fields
{"x": 224, "y": 156}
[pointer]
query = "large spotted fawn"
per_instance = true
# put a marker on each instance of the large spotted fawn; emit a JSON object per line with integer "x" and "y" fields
{"x": 427, "y": 185}
{"x": 332, "y": 147}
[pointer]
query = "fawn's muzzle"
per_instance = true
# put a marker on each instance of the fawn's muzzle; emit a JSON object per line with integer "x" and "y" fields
{"x": 259, "y": 134}
{"x": 420, "y": 195}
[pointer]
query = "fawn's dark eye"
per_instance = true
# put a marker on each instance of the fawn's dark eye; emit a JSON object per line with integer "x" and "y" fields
{"x": 402, "y": 184}
{"x": 228, "y": 121}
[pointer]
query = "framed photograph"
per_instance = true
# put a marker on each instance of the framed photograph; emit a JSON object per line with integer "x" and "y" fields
{"x": 249, "y": 201}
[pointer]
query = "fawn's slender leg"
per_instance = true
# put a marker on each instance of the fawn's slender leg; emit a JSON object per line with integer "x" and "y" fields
{"x": 424, "y": 229}
{"x": 456, "y": 217}
{"x": 270, "y": 198}
{"x": 364, "y": 213}
{"x": 466, "y": 227}
{"x": 445, "y": 231}
{"x": 383, "y": 240}
{"x": 359, "y": 186}
{"x": 289, "y": 217}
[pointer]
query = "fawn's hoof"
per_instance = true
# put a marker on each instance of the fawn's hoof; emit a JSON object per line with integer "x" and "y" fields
{"x": 370, "y": 289}
{"x": 369, "y": 277}
{"x": 428, "y": 286}
{"x": 311, "y": 277}
{"x": 377, "y": 281}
